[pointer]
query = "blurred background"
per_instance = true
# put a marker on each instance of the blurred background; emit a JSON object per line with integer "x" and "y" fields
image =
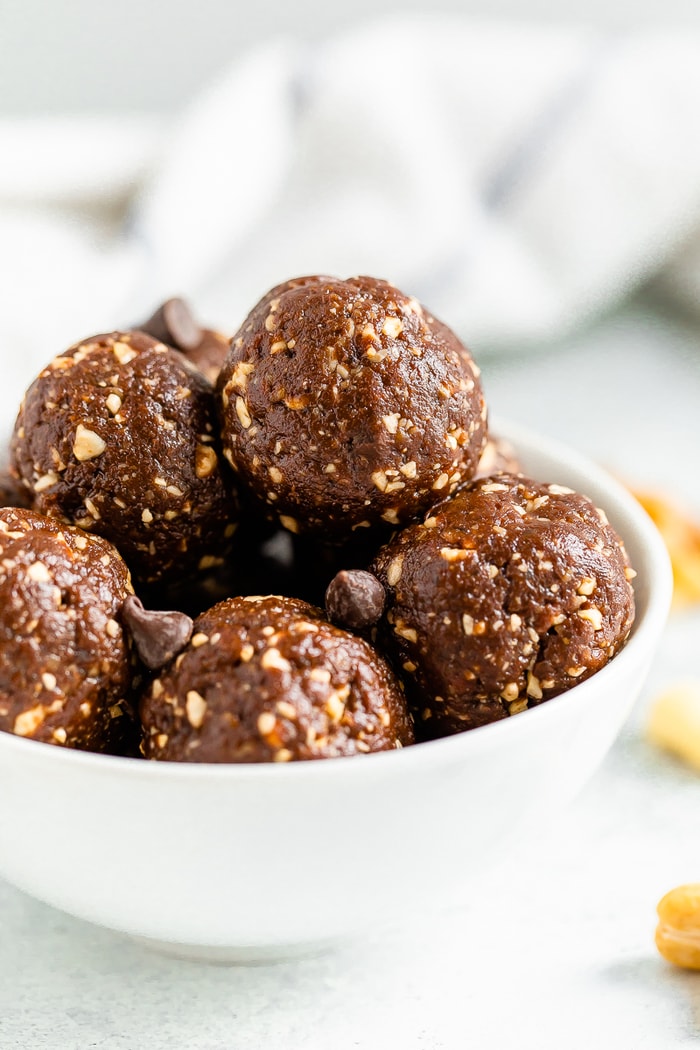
{"x": 82, "y": 55}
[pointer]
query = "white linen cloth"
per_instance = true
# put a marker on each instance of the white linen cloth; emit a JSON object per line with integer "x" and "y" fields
{"x": 518, "y": 179}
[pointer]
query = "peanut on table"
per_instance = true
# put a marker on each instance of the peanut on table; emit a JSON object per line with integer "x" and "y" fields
{"x": 678, "y": 932}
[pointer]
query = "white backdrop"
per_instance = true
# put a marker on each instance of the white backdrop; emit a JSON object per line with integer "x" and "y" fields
{"x": 58, "y": 55}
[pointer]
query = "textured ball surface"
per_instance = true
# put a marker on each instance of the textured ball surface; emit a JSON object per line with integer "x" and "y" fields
{"x": 345, "y": 406}
{"x": 65, "y": 665}
{"x": 504, "y": 596}
{"x": 269, "y": 680}
{"x": 118, "y": 436}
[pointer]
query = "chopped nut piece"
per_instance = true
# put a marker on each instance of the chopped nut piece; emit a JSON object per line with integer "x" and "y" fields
{"x": 453, "y": 553}
{"x": 196, "y": 708}
{"x": 392, "y": 327}
{"x": 112, "y": 628}
{"x": 29, "y": 721}
{"x": 273, "y": 660}
{"x": 379, "y": 479}
{"x": 38, "y": 572}
{"x": 243, "y": 413}
{"x": 393, "y": 572}
{"x": 286, "y": 709}
{"x": 46, "y": 481}
{"x": 206, "y": 462}
{"x": 87, "y": 444}
{"x": 267, "y": 723}
{"x": 124, "y": 353}
{"x": 593, "y": 615}
{"x": 408, "y": 633}
{"x": 534, "y": 688}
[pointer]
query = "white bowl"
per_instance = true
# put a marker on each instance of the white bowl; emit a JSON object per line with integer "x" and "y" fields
{"x": 260, "y": 861}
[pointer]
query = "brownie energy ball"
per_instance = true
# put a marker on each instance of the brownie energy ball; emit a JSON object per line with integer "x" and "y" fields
{"x": 65, "y": 668}
{"x": 346, "y": 406}
{"x": 269, "y": 680}
{"x": 506, "y": 595}
{"x": 118, "y": 436}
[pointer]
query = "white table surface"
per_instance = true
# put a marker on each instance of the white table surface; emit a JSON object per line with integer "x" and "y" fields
{"x": 554, "y": 948}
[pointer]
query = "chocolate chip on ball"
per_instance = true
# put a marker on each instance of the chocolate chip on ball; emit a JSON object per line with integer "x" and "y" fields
{"x": 174, "y": 323}
{"x": 505, "y": 595}
{"x": 346, "y": 406}
{"x": 269, "y": 680}
{"x": 65, "y": 665}
{"x": 158, "y": 636}
{"x": 355, "y": 599}
{"x": 118, "y": 436}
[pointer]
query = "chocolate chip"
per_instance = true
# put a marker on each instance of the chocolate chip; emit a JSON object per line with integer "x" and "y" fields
{"x": 158, "y": 636}
{"x": 174, "y": 324}
{"x": 354, "y": 599}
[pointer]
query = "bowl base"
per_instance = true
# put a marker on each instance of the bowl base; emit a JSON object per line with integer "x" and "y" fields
{"x": 235, "y": 955}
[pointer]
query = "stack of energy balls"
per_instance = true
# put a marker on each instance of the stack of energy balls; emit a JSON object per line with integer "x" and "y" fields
{"x": 180, "y": 506}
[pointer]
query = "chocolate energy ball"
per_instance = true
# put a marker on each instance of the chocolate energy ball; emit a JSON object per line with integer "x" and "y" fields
{"x": 269, "y": 680}
{"x": 65, "y": 665}
{"x": 346, "y": 406}
{"x": 118, "y": 436}
{"x": 506, "y": 595}
{"x": 174, "y": 323}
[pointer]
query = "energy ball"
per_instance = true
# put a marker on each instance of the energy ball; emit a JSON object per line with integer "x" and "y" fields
{"x": 346, "y": 406}
{"x": 65, "y": 664}
{"x": 506, "y": 595}
{"x": 174, "y": 323}
{"x": 118, "y": 436}
{"x": 269, "y": 680}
